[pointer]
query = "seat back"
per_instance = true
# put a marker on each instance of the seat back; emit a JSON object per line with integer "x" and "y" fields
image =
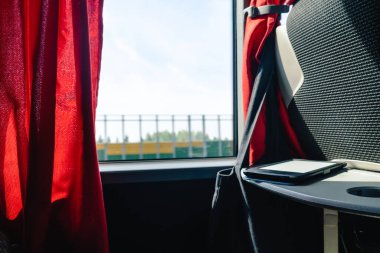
{"x": 333, "y": 95}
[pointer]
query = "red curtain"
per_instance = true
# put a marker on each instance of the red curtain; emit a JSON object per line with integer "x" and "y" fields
{"x": 50, "y": 190}
{"x": 257, "y": 31}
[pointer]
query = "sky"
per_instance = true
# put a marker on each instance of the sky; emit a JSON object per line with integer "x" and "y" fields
{"x": 166, "y": 57}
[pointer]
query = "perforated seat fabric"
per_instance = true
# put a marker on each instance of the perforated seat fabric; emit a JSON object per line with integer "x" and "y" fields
{"x": 336, "y": 112}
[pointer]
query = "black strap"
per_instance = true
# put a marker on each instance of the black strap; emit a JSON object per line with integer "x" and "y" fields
{"x": 254, "y": 11}
{"x": 260, "y": 88}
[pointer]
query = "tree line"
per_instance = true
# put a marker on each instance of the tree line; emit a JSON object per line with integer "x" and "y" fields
{"x": 166, "y": 136}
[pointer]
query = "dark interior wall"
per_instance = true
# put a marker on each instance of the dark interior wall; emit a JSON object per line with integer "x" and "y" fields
{"x": 284, "y": 225}
{"x": 173, "y": 216}
{"x": 169, "y": 216}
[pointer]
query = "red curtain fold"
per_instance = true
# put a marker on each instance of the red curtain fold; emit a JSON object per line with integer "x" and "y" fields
{"x": 50, "y": 190}
{"x": 257, "y": 31}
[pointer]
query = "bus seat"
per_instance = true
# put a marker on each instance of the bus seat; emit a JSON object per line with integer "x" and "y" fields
{"x": 328, "y": 58}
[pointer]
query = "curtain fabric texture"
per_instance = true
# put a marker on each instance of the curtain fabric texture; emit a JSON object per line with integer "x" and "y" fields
{"x": 50, "y": 190}
{"x": 257, "y": 31}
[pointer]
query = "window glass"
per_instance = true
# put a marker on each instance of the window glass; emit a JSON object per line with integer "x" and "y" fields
{"x": 166, "y": 80}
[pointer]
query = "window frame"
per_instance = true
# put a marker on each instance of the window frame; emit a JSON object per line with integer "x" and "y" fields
{"x": 190, "y": 168}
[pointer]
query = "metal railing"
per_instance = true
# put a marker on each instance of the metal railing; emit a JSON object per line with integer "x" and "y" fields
{"x": 206, "y": 143}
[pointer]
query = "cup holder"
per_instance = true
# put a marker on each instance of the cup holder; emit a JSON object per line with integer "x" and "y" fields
{"x": 371, "y": 192}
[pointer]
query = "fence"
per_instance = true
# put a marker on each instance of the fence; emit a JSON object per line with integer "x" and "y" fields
{"x": 166, "y": 136}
